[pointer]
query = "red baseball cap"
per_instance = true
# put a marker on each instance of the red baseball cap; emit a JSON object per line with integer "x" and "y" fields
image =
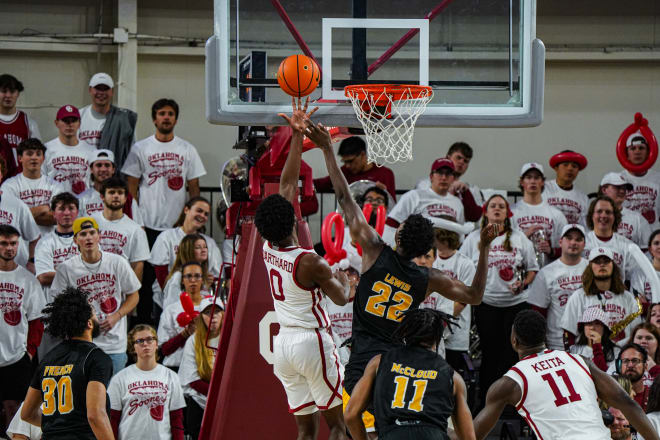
{"x": 67, "y": 111}
{"x": 442, "y": 162}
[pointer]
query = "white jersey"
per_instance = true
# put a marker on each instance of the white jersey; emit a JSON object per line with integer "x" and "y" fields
{"x": 164, "y": 250}
{"x": 559, "y": 398}
{"x": 341, "y": 322}
{"x": 89, "y": 202}
{"x": 188, "y": 370}
{"x": 551, "y": 219}
{"x": 163, "y": 169}
{"x": 503, "y": 266}
{"x": 68, "y": 165}
{"x": 15, "y": 213}
{"x": 52, "y": 250}
{"x": 91, "y": 126}
{"x": 615, "y": 306}
{"x": 21, "y": 301}
{"x": 573, "y": 203}
{"x": 168, "y": 327}
{"x": 644, "y": 196}
{"x": 145, "y": 399}
{"x": 108, "y": 281}
{"x": 295, "y": 306}
{"x": 123, "y": 237}
{"x": 552, "y": 287}
{"x": 635, "y": 228}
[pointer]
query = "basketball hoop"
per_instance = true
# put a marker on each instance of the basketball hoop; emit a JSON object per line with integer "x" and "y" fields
{"x": 388, "y": 114}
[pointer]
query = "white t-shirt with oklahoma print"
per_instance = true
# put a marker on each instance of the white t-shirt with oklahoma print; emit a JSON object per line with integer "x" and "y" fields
{"x": 551, "y": 289}
{"x": 68, "y": 166}
{"x": 644, "y": 196}
{"x": 15, "y": 213}
{"x": 108, "y": 282}
{"x": 551, "y": 219}
{"x": 145, "y": 399}
{"x": 164, "y": 168}
{"x": 52, "y": 250}
{"x": 573, "y": 203}
{"x": 90, "y": 203}
{"x": 21, "y": 301}
{"x": 123, "y": 237}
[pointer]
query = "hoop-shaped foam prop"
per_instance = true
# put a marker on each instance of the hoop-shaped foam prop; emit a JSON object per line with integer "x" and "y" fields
{"x": 569, "y": 156}
{"x": 642, "y": 125}
{"x": 189, "y": 313}
{"x": 381, "y": 217}
{"x": 334, "y": 251}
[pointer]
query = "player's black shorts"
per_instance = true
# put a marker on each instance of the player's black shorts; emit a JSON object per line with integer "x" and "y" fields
{"x": 414, "y": 433}
{"x": 363, "y": 349}
{"x": 16, "y": 379}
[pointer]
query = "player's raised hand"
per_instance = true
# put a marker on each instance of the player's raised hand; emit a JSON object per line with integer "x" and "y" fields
{"x": 299, "y": 115}
{"x": 488, "y": 234}
{"x": 318, "y": 134}
{"x": 341, "y": 276}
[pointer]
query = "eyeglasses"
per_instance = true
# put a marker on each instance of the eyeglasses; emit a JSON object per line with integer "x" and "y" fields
{"x": 372, "y": 201}
{"x": 216, "y": 311}
{"x": 147, "y": 340}
{"x": 193, "y": 276}
{"x": 633, "y": 362}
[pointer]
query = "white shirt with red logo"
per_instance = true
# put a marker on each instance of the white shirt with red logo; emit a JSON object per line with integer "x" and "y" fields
{"x": 68, "y": 166}
{"x": 145, "y": 399}
{"x": 21, "y": 301}
{"x": 341, "y": 322}
{"x": 635, "y": 228}
{"x": 552, "y": 287}
{"x": 503, "y": 266}
{"x": 573, "y": 203}
{"x": 123, "y": 237}
{"x": 615, "y": 306}
{"x": 559, "y": 398}
{"x": 644, "y": 196}
{"x": 163, "y": 169}
{"x": 89, "y": 202}
{"x": 551, "y": 219}
{"x": 91, "y": 126}
{"x": 52, "y": 250}
{"x": 108, "y": 281}
{"x": 15, "y": 213}
{"x": 168, "y": 327}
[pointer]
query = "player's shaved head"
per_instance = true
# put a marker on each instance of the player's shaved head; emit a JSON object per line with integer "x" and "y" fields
{"x": 529, "y": 328}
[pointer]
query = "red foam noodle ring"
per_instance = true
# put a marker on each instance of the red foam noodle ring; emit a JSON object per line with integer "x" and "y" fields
{"x": 183, "y": 319}
{"x": 642, "y": 125}
{"x": 333, "y": 247}
{"x": 381, "y": 217}
{"x": 187, "y": 304}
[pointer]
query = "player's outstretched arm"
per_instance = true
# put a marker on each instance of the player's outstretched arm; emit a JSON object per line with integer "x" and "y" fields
{"x": 457, "y": 291}
{"x": 31, "y": 411}
{"x": 314, "y": 271}
{"x": 291, "y": 170}
{"x": 504, "y": 391}
{"x": 360, "y": 400}
{"x": 360, "y": 230}
{"x": 612, "y": 393}
{"x": 97, "y": 416}
{"x": 462, "y": 418}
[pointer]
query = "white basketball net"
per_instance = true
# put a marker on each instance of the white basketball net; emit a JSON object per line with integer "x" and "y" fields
{"x": 389, "y": 140}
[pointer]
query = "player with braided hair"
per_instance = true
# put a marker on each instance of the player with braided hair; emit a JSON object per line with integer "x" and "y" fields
{"x": 414, "y": 389}
{"x": 67, "y": 396}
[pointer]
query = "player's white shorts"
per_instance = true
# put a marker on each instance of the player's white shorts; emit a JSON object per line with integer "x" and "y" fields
{"x": 307, "y": 364}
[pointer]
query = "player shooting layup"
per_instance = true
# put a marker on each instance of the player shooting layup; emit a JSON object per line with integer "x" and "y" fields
{"x": 391, "y": 283}
{"x": 306, "y": 359}
{"x": 556, "y": 391}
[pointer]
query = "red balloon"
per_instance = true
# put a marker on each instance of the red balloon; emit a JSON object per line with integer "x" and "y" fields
{"x": 333, "y": 247}
{"x": 381, "y": 216}
{"x": 187, "y": 304}
{"x": 641, "y": 125}
{"x": 183, "y": 319}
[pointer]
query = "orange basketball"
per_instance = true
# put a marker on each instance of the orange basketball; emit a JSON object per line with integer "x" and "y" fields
{"x": 298, "y": 75}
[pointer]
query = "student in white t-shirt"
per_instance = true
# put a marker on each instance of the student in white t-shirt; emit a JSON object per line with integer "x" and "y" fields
{"x": 32, "y": 187}
{"x": 146, "y": 399}
{"x": 561, "y": 193}
{"x": 67, "y": 157}
{"x": 556, "y": 282}
{"x": 192, "y": 248}
{"x": 593, "y": 341}
{"x": 435, "y": 201}
{"x": 119, "y": 234}
{"x": 341, "y": 317}
{"x": 110, "y": 282}
{"x": 162, "y": 165}
{"x": 195, "y": 371}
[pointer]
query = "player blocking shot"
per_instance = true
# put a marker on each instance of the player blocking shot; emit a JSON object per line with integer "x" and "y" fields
{"x": 414, "y": 389}
{"x": 305, "y": 357}
{"x": 391, "y": 283}
{"x": 555, "y": 391}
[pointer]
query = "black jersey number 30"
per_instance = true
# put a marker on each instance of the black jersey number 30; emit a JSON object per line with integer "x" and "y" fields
{"x": 57, "y": 395}
{"x": 376, "y": 304}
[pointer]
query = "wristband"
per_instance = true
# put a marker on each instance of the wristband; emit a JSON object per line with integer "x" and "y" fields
{"x": 31, "y": 260}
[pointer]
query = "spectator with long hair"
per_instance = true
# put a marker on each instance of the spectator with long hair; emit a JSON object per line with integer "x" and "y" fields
{"x": 648, "y": 336}
{"x": 653, "y": 315}
{"x": 594, "y": 339}
{"x": 192, "y": 248}
{"x": 146, "y": 400}
{"x": 197, "y": 362}
{"x": 511, "y": 268}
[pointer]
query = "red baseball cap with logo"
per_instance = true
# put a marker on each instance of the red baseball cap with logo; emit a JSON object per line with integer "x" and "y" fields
{"x": 442, "y": 162}
{"x": 67, "y": 111}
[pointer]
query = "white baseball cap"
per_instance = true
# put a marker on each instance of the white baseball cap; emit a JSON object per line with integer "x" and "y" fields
{"x": 615, "y": 179}
{"x": 637, "y": 138}
{"x": 103, "y": 154}
{"x": 101, "y": 79}
{"x": 209, "y": 300}
{"x": 571, "y": 226}
{"x": 599, "y": 252}
{"x": 531, "y": 166}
